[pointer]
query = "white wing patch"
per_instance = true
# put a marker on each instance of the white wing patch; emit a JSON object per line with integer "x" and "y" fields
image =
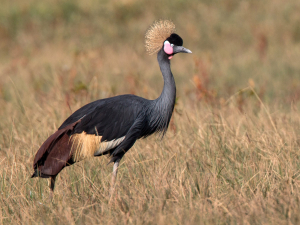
{"x": 89, "y": 145}
{"x": 107, "y": 145}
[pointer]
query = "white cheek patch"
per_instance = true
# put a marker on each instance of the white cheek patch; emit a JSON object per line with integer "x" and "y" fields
{"x": 168, "y": 48}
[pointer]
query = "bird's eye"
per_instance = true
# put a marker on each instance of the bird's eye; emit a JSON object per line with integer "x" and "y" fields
{"x": 172, "y": 45}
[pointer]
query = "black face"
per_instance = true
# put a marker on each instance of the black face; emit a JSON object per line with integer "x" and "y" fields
{"x": 175, "y": 39}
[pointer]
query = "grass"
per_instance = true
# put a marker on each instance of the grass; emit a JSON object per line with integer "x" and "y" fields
{"x": 231, "y": 155}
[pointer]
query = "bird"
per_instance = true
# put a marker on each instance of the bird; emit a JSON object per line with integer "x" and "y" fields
{"x": 112, "y": 125}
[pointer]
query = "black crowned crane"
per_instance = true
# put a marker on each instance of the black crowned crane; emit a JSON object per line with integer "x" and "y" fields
{"x": 112, "y": 125}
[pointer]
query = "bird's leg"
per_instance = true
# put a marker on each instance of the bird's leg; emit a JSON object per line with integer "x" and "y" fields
{"x": 52, "y": 184}
{"x": 114, "y": 177}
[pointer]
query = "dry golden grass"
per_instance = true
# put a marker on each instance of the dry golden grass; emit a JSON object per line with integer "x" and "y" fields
{"x": 231, "y": 155}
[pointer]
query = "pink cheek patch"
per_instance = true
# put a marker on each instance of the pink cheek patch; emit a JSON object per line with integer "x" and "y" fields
{"x": 168, "y": 48}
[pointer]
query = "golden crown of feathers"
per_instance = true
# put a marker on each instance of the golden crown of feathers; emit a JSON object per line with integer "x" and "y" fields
{"x": 158, "y": 32}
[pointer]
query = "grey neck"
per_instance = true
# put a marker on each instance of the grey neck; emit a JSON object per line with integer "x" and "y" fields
{"x": 168, "y": 94}
{"x": 163, "y": 106}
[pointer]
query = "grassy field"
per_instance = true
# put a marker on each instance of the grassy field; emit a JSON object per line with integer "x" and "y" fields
{"x": 231, "y": 155}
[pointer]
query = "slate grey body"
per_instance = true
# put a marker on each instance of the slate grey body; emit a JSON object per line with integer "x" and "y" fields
{"x": 119, "y": 121}
{"x": 128, "y": 115}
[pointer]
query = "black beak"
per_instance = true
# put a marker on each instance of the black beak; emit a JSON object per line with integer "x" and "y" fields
{"x": 177, "y": 49}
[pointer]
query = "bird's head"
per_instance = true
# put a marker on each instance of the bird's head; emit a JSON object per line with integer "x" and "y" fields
{"x": 161, "y": 36}
{"x": 173, "y": 45}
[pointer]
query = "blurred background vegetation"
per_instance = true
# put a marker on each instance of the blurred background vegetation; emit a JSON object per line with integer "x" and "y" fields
{"x": 57, "y": 55}
{"x": 234, "y": 43}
